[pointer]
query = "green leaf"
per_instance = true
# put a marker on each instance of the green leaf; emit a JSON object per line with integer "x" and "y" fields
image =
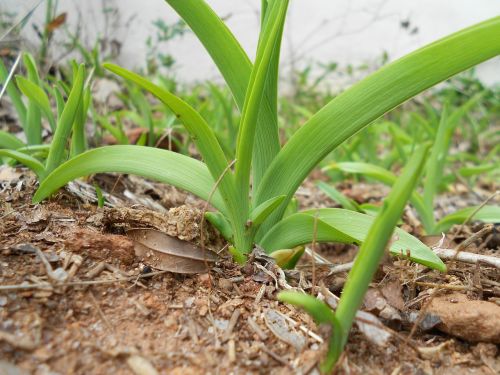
{"x": 487, "y": 214}
{"x": 33, "y": 129}
{"x": 160, "y": 165}
{"x": 221, "y": 224}
{"x": 38, "y": 96}
{"x": 320, "y": 311}
{"x": 338, "y": 225}
{"x": 26, "y": 160}
{"x": 205, "y": 141}
{"x": 367, "y": 100}
{"x": 337, "y": 196}
{"x": 64, "y": 127}
{"x": 9, "y": 141}
{"x": 14, "y": 95}
{"x": 260, "y": 213}
{"x": 235, "y": 67}
{"x": 373, "y": 248}
{"x": 479, "y": 169}
{"x": 255, "y": 93}
{"x": 388, "y": 178}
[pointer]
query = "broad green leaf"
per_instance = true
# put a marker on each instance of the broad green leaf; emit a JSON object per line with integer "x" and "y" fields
{"x": 26, "y": 160}
{"x": 339, "y": 225}
{"x": 373, "y": 248}
{"x": 65, "y": 124}
{"x": 38, "y": 96}
{"x": 260, "y": 213}
{"x": 367, "y": 100}
{"x": 235, "y": 67}
{"x": 160, "y": 165}
{"x": 487, "y": 214}
{"x": 9, "y": 141}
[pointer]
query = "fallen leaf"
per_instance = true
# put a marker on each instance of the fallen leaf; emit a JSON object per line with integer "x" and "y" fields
{"x": 167, "y": 253}
{"x": 280, "y": 328}
{"x": 56, "y": 22}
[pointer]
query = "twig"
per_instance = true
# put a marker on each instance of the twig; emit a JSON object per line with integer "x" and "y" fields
{"x": 466, "y": 257}
{"x": 313, "y": 249}
{"x": 205, "y": 208}
{"x": 253, "y": 325}
{"x": 77, "y": 283}
{"x": 464, "y": 244}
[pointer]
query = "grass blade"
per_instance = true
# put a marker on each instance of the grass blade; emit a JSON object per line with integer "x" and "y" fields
{"x": 9, "y": 141}
{"x": 14, "y": 95}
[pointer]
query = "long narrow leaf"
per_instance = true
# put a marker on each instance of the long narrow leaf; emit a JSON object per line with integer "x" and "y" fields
{"x": 64, "y": 126}
{"x": 13, "y": 93}
{"x": 372, "y": 97}
{"x": 372, "y": 250}
{"x": 255, "y": 93}
{"x": 9, "y": 141}
{"x": 235, "y": 67}
{"x": 38, "y": 96}
{"x": 161, "y": 165}
{"x": 487, "y": 214}
{"x": 26, "y": 160}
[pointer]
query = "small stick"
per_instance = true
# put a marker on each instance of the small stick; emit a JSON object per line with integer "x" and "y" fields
{"x": 253, "y": 325}
{"x": 466, "y": 257}
{"x": 232, "y": 323}
{"x": 205, "y": 208}
{"x": 78, "y": 283}
{"x": 445, "y": 286}
{"x": 313, "y": 249}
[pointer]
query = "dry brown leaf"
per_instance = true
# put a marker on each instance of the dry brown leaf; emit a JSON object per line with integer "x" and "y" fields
{"x": 167, "y": 253}
{"x": 56, "y": 22}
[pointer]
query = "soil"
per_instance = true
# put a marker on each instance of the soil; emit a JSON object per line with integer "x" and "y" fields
{"x": 74, "y": 298}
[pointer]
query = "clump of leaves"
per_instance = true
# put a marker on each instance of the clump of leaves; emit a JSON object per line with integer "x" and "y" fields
{"x": 252, "y": 198}
{"x": 31, "y": 101}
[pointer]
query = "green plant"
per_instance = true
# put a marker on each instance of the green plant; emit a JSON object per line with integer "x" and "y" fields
{"x": 434, "y": 172}
{"x": 253, "y": 210}
{"x": 69, "y": 121}
{"x": 365, "y": 265}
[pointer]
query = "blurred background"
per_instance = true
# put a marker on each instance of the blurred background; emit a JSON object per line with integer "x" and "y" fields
{"x": 321, "y": 35}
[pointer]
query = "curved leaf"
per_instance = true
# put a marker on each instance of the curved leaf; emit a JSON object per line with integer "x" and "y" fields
{"x": 161, "y": 165}
{"x": 487, "y": 214}
{"x": 38, "y": 96}
{"x": 64, "y": 126}
{"x": 339, "y": 225}
{"x": 369, "y": 99}
{"x": 9, "y": 141}
{"x": 27, "y": 160}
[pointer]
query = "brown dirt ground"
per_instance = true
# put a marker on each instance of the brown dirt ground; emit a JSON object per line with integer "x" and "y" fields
{"x": 185, "y": 324}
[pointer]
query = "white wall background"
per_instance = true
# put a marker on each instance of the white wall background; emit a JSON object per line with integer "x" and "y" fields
{"x": 344, "y": 31}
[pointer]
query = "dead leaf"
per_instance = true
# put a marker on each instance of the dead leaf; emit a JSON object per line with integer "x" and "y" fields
{"x": 167, "y": 253}
{"x": 141, "y": 366}
{"x": 393, "y": 294}
{"x": 56, "y": 22}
